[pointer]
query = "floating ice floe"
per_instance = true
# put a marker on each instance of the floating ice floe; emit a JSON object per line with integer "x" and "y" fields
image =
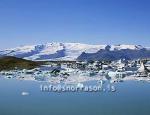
{"x": 25, "y": 93}
{"x": 80, "y": 85}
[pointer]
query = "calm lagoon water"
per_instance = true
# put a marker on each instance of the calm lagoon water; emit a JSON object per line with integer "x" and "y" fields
{"x": 131, "y": 98}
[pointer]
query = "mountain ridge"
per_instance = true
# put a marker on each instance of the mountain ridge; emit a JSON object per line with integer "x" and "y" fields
{"x": 63, "y": 51}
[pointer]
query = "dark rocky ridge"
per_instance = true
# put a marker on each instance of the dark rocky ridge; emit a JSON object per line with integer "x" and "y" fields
{"x": 107, "y": 54}
{"x": 11, "y": 63}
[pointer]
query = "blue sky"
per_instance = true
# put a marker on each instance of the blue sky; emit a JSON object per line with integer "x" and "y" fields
{"x": 25, "y": 22}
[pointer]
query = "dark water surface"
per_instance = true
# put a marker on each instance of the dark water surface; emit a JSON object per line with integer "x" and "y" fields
{"x": 131, "y": 98}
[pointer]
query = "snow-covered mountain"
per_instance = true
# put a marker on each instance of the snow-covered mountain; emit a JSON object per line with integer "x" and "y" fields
{"x": 61, "y": 51}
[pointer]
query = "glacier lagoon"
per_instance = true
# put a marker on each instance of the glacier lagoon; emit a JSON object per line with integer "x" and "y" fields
{"x": 130, "y": 98}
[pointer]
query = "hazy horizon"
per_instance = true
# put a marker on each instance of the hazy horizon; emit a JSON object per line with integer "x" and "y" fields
{"x": 67, "y": 42}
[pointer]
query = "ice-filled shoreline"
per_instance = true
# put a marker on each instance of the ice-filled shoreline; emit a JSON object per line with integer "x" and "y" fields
{"x": 76, "y": 79}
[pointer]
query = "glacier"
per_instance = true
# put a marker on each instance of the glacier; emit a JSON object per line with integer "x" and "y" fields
{"x": 61, "y": 51}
